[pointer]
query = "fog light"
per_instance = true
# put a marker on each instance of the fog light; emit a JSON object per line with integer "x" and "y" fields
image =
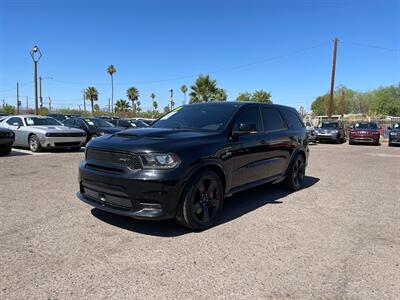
{"x": 151, "y": 206}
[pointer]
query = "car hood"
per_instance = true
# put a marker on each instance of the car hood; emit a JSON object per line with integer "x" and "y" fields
{"x": 52, "y": 128}
{"x": 152, "y": 139}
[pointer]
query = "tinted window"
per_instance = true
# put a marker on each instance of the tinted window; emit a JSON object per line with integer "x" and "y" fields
{"x": 292, "y": 119}
{"x": 98, "y": 122}
{"x": 250, "y": 115}
{"x": 272, "y": 119}
{"x": 11, "y": 121}
{"x": 40, "y": 121}
{"x": 210, "y": 116}
{"x": 329, "y": 125}
{"x": 69, "y": 122}
{"x": 366, "y": 126}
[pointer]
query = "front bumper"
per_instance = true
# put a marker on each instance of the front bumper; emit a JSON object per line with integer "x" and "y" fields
{"x": 327, "y": 137}
{"x": 394, "y": 140}
{"x": 136, "y": 193}
{"x": 62, "y": 142}
{"x": 6, "y": 143}
{"x": 364, "y": 139}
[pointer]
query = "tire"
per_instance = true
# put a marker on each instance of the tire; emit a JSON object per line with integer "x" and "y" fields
{"x": 295, "y": 174}
{"x": 202, "y": 201}
{"x": 390, "y": 144}
{"x": 34, "y": 143}
{"x": 6, "y": 151}
{"x": 351, "y": 142}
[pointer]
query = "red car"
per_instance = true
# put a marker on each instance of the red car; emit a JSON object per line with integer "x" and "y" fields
{"x": 365, "y": 132}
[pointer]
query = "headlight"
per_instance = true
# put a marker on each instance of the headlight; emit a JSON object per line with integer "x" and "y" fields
{"x": 334, "y": 131}
{"x": 102, "y": 133}
{"x": 11, "y": 134}
{"x": 160, "y": 160}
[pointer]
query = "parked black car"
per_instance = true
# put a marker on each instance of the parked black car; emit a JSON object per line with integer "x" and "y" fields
{"x": 394, "y": 135}
{"x": 7, "y": 139}
{"x": 128, "y": 123}
{"x": 184, "y": 165}
{"x": 331, "y": 131}
{"x": 94, "y": 127}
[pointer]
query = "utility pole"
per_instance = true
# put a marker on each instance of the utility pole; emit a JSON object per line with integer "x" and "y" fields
{"x": 171, "y": 98}
{"x": 40, "y": 94}
{"x": 36, "y": 55}
{"x": 109, "y": 105}
{"x": 330, "y": 102}
{"x": 49, "y": 104}
{"x": 17, "y": 98}
{"x": 27, "y": 104}
{"x": 342, "y": 106}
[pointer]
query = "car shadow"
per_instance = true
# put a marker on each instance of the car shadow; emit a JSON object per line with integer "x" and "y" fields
{"x": 234, "y": 207}
{"x": 16, "y": 153}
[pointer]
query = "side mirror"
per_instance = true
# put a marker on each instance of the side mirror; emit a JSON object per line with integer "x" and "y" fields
{"x": 16, "y": 124}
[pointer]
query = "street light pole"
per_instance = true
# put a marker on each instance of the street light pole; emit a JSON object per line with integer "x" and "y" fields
{"x": 171, "y": 95}
{"x": 36, "y": 55}
{"x": 40, "y": 94}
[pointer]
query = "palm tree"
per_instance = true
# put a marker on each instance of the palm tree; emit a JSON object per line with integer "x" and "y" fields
{"x": 122, "y": 105}
{"x": 205, "y": 89}
{"x": 138, "y": 108}
{"x": 133, "y": 95}
{"x": 111, "y": 70}
{"x": 184, "y": 90}
{"x": 153, "y": 102}
{"x": 92, "y": 95}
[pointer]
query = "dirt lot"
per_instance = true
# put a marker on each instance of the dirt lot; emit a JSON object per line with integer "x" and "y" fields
{"x": 339, "y": 238}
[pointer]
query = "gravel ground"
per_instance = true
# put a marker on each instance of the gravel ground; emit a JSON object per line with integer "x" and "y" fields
{"x": 338, "y": 238}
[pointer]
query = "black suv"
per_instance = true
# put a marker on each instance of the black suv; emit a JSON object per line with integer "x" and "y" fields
{"x": 189, "y": 160}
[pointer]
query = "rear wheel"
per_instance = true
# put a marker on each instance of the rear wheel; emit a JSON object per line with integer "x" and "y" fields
{"x": 34, "y": 143}
{"x": 295, "y": 174}
{"x": 202, "y": 201}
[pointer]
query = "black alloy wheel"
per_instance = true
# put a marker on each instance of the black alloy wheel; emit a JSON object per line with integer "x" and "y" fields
{"x": 296, "y": 173}
{"x": 202, "y": 202}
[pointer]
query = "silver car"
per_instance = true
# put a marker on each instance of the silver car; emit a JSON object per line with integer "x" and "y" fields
{"x": 37, "y": 133}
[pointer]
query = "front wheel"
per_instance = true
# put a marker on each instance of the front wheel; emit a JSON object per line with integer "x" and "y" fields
{"x": 6, "y": 151}
{"x": 295, "y": 174}
{"x": 202, "y": 202}
{"x": 34, "y": 143}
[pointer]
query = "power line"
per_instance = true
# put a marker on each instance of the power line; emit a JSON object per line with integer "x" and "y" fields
{"x": 210, "y": 72}
{"x": 371, "y": 46}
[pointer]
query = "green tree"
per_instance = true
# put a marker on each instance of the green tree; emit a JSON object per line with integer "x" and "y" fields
{"x": 92, "y": 95}
{"x": 256, "y": 96}
{"x": 138, "y": 107}
{"x": 184, "y": 90}
{"x": 8, "y": 109}
{"x": 153, "y": 102}
{"x": 166, "y": 109}
{"x": 205, "y": 89}
{"x": 244, "y": 96}
{"x": 386, "y": 101}
{"x": 111, "y": 70}
{"x": 122, "y": 105}
{"x": 133, "y": 95}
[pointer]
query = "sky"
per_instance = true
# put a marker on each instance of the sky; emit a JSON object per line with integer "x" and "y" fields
{"x": 281, "y": 46}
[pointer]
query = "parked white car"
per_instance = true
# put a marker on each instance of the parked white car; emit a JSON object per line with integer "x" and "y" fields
{"x": 37, "y": 133}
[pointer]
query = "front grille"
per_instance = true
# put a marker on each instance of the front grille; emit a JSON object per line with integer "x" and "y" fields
{"x": 6, "y": 134}
{"x": 65, "y": 134}
{"x": 67, "y": 144}
{"x": 131, "y": 161}
{"x": 108, "y": 198}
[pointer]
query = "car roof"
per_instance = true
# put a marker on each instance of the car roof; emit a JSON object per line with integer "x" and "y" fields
{"x": 242, "y": 103}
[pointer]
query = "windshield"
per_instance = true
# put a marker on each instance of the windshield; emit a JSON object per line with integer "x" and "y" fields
{"x": 366, "y": 126}
{"x": 138, "y": 123}
{"x": 204, "y": 117}
{"x": 328, "y": 125}
{"x": 98, "y": 123}
{"x": 37, "y": 121}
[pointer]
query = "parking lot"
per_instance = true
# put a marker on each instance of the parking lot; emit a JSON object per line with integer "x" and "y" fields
{"x": 338, "y": 238}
